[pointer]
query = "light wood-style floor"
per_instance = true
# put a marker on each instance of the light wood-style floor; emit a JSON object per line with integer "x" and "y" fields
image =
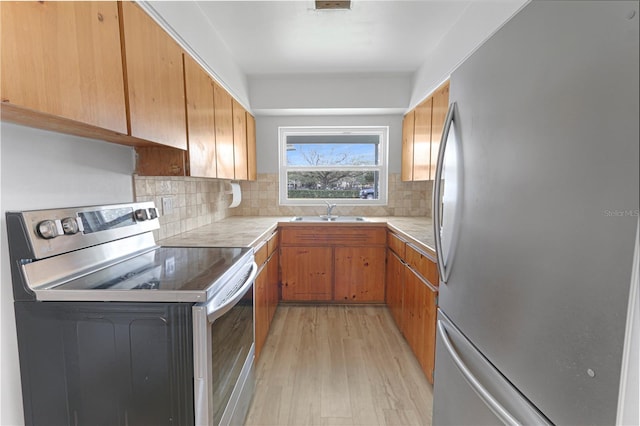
{"x": 338, "y": 365}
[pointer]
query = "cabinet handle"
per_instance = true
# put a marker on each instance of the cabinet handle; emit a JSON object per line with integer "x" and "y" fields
{"x": 436, "y": 206}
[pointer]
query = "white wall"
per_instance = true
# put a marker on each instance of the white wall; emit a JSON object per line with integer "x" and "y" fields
{"x": 383, "y": 92}
{"x": 477, "y": 24}
{"x": 40, "y": 169}
{"x": 267, "y": 135}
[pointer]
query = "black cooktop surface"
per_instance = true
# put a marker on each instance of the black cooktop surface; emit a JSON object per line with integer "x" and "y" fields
{"x": 163, "y": 274}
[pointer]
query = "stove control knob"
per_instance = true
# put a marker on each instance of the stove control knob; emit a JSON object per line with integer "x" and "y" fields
{"x": 47, "y": 229}
{"x": 69, "y": 225}
{"x": 141, "y": 215}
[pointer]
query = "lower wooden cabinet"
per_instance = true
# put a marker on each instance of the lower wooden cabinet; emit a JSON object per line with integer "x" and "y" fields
{"x": 260, "y": 306}
{"x": 266, "y": 289}
{"x": 359, "y": 274}
{"x": 307, "y": 273}
{"x": 412, "y": 299}
{"x": 333, "y": 263}
{"x": 395, "y": 286}
{"x": 419, "y": 320}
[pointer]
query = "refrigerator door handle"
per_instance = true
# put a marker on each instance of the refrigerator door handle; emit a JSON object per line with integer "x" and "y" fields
{"x": 436, "y": 207}
{"x": 475, "y": 384}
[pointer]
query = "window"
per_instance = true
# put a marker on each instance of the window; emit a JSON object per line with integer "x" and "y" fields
{"x": 344, "y": 165}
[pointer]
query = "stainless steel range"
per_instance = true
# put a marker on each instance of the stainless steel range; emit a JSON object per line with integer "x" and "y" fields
{"x": 116, "y": 330}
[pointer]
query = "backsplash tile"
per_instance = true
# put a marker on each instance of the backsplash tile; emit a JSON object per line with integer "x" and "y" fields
{"x": 260, "y": 198}
{"x": 198, "y": 201}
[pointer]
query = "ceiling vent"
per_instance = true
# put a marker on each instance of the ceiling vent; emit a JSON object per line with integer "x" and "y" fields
{"x": 332, "y": 5}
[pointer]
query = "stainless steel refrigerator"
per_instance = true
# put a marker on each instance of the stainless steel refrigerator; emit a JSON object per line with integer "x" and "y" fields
{"x": 536, "y": 210}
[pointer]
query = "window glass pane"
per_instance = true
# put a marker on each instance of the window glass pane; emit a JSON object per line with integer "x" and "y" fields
{"x": 328, "y": 184}
{"x": 332, "y": 154}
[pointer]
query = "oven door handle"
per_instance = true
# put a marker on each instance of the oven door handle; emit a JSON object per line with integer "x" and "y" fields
{"x": 213, "y": 312}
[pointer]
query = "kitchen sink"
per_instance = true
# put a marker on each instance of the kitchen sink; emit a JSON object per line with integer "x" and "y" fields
{"x": 325, "y": 218}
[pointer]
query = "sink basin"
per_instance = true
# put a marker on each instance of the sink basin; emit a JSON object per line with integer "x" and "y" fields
{"x": 325, "y": 218}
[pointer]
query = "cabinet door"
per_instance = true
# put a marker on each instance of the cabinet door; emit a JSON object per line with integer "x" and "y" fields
{"x": 252, "y": 170}
{"x": 261, "y": 309}
{"x": 395, "y": 287}
{"x": 428, "y": 318}
{"x": 420, "y": 318}
{"x": 306, "y": 273}
{"x": 155, "y": 82}
{"x": 422, "y": 141}
{"x": 412, "y": 301}
{"x": 407, "y": 146}
{"x": 239, "y": 140}
{"x": 224, "y": 132}
{"x": 64, "y": 59}
{"x": 440, "y": 108}
{"x": 273, "y": 292}
{"x": 359, "y": 274}
{"x": 200, "y": 120}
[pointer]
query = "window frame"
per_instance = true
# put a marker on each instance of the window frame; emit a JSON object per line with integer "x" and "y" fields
{"x": 382, "y": 168}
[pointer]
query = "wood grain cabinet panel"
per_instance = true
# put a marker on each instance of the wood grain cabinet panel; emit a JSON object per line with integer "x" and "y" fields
{"x": 307, "y": 273}
{"x": 408, "y": 130}
{"x": 261, "y": 309}
{"x": 351, "y": 258}
{"x": 419, "y": 320}
{"x": 239, "y": 140}
{"x": 332, "y": 234}
{"x": 422, "y": 141}
{"x": 359, "y": 274}
{"x": 422, "y": 130}
{"x": 252, "y": 170}
{"x": 63, "y": 59}
{"x": 224, "y": 132}
{"x": 412, "y": 298}
{"x": 396, "y": 244}
{"x": 273, "y": 283}
{"x": 439, "y": 114}
{"x": 395, "y": 286}
{"x": 155, "y": 82}
{"x": 201, "y": 133}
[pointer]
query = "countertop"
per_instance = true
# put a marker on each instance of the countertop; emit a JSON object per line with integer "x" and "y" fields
{"x": 247, "y": 231}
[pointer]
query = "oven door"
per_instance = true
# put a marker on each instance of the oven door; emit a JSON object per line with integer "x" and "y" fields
{"x": 223, "y": 352}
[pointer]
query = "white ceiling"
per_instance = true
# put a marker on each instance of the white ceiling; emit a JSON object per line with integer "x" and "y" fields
{"x": 286, "y": 58}
{"x": 291, "y": 37}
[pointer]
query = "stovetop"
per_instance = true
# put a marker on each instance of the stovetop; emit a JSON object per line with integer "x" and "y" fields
{"x": 166, "y": 274}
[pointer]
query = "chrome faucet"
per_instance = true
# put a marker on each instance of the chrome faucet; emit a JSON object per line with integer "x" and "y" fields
{"x": 330, "y": 208}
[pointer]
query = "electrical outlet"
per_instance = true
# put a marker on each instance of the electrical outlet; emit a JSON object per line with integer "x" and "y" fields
{"x": 167, "y": 205}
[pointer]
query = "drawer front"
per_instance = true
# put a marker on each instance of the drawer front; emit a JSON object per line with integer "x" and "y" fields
{"x": 261, "y": 253}
{"x": 272, "y": 243}
{"x": 396, "y": 244}
{"x": 422, "y": 264}
{"x": 334, "y": 235}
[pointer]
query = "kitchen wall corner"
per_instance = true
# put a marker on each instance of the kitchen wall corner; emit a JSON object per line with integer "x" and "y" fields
{"x": 194, "y": 202}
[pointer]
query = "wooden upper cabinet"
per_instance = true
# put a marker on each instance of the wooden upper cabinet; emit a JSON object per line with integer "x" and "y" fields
{"x": 224, "y": 132}
{"x": 421, "y": 132}
{"x": 154, "y": 79}
{"x": 439, "y": 114}
{"x": 422, "y": 141}
{"x": 239, "y": 140}
{"x": 200, "y": 120}
{"x": 407, "y": 146}
{"x": 64, "y": 59}
{"x": 252, "y": 166}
